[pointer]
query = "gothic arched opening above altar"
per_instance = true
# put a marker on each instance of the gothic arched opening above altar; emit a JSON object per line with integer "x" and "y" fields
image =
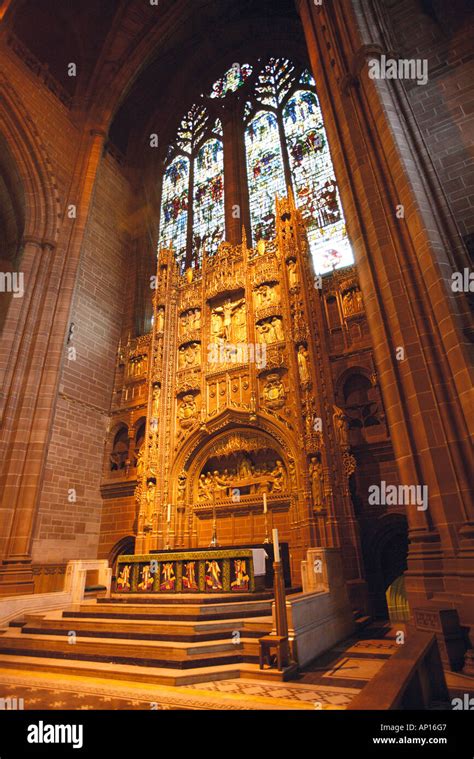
{"x": 238, "y": 466}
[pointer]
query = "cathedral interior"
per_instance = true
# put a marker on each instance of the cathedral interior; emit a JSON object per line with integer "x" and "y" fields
{"x": 235, "y": 315}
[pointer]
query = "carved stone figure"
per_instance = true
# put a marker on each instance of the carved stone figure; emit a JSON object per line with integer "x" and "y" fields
{"x": 348, "y": 303}
{"x": 140, "y": 462}
{"x": 155, "y": 403}
{"x": 190, "y": 321}
{"x": 303, "y": 363}
{"x": 150, "y": 493}
{"x": 260, "y": 295}
{"x": 279, "y": 477}
{"x": 227, "y": 311}
{"x": 184, "y": 323}
{"x": 217, "y": 327}
{"x": 240, "y": 324}
{"x": 265, "y": 295}
{"x": 358, "y": 301}
{"x": 264, "y": 332}
{"x": 341, "y": 427}
{"x": 292, "y": 273}
{"x": 150, "y": 503}
{"x": 220, "y": 482}
{"x": 182, "y": 357}
{"x": 196, "y": 318}
{"x": 278, "y": 329}
{"x": 209, "y": 484}
{"x": 352, "y": 302}
{"x": 292, "y": 474}
{"x": 245, "y": 466}
{"x": 263, "y": 477}
{"x": 192, "y": 354}
{"x": 203, "y": 492}
{"x": 160, "y": 319}
{"x": 270, "y": 331}
{"x": 317, "y": 482}
{"x": 181, "y": 488}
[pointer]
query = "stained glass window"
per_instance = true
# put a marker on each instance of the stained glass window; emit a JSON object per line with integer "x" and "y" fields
{"x": 274, "y": 81}
{"x": 285, "y": 142}
{"x": 174, "y": 206}
{"x": 192, "y": 206}
{"x": 265, "y": 171}
{"x": 192, "y": 128}
{"x": 307, "y": 79}
{"x": 291, "y": 110}
{"x": 314, "y": 184}
{"x": 232, "y": 80}
{"x": 208, "y": 206}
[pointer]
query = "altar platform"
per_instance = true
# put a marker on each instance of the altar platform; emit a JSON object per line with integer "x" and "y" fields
{"x": 240, "y": 569}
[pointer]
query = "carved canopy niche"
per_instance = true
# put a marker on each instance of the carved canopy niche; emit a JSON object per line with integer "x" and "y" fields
{"x": 249, "y": 464}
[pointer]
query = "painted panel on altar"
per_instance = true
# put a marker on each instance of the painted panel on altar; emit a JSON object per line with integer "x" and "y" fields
{"x": 226, "y": 570}
{"x": 214, "y": 575}
{"x": 124, "y": 578}
{"x": 190, "y": 578}
{"x": 146, "y": 577}
{"x": 240, "y": 578}
{"x": 168, "y": 576}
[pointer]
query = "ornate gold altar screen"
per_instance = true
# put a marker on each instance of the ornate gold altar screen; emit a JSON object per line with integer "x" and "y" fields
{"x": 241, "y": 404}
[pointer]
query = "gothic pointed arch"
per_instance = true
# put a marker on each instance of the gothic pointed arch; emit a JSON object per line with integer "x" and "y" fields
{"x": 42, "y": 202}
{"x": 231, "y": 431}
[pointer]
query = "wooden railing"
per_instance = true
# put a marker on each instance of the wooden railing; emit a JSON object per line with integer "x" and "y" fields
{"x": 412, "y": 679}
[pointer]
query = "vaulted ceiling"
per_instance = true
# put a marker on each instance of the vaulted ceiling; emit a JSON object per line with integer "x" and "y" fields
{"x": 138, "y": 63}
{"x": 59, "y": 33}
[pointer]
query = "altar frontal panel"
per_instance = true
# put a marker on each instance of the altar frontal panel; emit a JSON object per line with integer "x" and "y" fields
{"x": 225, "y": 571}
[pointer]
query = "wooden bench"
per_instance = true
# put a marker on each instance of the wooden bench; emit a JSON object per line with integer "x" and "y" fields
{"x": 273, "y": 642}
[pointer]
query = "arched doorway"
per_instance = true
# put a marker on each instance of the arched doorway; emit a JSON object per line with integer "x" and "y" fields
{"x": 125, "y": 545}
{"x": 385, "y": 555}
{"x": 397, "y": 601}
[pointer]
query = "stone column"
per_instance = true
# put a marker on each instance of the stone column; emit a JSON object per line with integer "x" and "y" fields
{"x": 405, "y": 266}
{"x": 38, "y": 369}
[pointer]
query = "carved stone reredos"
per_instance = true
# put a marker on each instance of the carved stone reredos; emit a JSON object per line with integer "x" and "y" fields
{"x": 236, "y": 351}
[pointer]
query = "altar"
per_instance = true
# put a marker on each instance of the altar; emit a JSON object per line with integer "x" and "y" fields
{"x": 211, "y": 570}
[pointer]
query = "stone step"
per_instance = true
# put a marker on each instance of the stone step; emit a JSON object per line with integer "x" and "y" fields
{"x": 54, "y": 624}
{"x": 187, "y": 598}
{"x": 124, "y": 672}
{"x": 144, "y": 652}
{"x": 163, "y": 635}
{"x": 158, "y": 611}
